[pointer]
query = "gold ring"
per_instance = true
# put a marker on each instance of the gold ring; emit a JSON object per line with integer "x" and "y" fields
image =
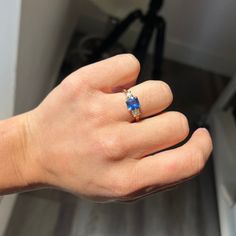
{"x": 133, "y": 105}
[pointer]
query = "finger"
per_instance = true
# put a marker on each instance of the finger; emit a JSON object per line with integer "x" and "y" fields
{"x": 175, "y": 165}
{"x": 146, "y": 193}
{"x": 106, "y": 75}
{"x": 154, "y": 97}
{"x": 155, "y": 134}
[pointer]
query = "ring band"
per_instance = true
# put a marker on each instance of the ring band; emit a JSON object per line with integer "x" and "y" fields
{"x": 133, "y": 105}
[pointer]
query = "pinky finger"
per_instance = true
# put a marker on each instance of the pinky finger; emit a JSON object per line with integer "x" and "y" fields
{"x": 173, "y": 166}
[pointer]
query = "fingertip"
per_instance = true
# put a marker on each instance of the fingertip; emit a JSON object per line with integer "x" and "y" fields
{"x": 201, "y": 132}
{"x": 134, "y": 60}
{"x": 203, "y": 137}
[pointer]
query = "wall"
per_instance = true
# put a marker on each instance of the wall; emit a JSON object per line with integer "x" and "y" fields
{"x": 200, "y": 33}
{"x": 9, "y": 27}
{"x": 32, "y": 48}
{"x": 45, "y": 31}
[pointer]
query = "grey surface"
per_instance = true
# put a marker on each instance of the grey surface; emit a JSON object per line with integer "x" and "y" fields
{"x": 186, "y": 210}
{"x": 33, "y": 217}
{"x": 189, "y": 210}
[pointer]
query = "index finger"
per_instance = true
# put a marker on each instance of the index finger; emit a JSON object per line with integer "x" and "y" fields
{"x": 118, "y": 71}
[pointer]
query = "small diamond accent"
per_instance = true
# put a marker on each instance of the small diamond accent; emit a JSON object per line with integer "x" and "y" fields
{"x": 136, "y": 112}
{"x": 129, "y": 94}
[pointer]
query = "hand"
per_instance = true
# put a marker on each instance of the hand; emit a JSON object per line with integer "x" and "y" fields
{"x": 81, "y": 138}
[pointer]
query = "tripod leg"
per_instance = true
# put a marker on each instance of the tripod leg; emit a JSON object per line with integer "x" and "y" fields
{"x": 115, "y": 35}
{"x": 159, "y": 47}
{"x": 143, "y": 41}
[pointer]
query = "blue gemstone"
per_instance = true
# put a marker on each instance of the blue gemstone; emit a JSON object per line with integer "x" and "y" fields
{"x": 133, "y": 103}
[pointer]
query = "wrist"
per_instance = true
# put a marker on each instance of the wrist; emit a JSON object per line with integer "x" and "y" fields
{"x": 31, "y": 170}
{"x": 18, "y": 169}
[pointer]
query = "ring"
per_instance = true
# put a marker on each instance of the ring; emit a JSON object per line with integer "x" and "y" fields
{"x": 133, "y": 105}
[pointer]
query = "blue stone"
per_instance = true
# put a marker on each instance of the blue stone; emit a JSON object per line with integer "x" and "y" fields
{"x": 133, "y": 103}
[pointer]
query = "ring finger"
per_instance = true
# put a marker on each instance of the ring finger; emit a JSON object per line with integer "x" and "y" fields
{"x": 154, "y": 97}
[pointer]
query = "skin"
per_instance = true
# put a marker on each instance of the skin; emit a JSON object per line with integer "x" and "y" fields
{"x": 81, "y": 138}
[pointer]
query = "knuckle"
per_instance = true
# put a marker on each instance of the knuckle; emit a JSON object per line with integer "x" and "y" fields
{"x": 166, "y": 90}
{"x": 131, "y": 59}
{"x": 113, "y": 147}
{"x": 127, "y": 184}
{"x": 124, "y": 187}
{"x": 82, "y": 77}
{"x": 155, "y": 87}
{"x": 74, "y": 84}
{"x": 201, "y": 162}
{"x": 67, "y": 86}
{"x": 182, "y": 120}
{"x": 198, "y": 161}
{"x": 95, "y": 110}
{"x": 80, "y": 73}
{"x": 164, "y": 85}
{"x": 122, "y": 190}
{"x": 209, "y": 143}
{"x": 70, "y": 89}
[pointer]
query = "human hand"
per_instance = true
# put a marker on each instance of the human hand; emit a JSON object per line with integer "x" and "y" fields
{"x": 81, "y": 138}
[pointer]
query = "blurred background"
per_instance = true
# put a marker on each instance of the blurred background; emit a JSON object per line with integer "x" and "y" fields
{"x": 189, "y": 44}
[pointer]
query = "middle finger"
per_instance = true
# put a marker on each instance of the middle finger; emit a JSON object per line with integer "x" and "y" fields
{"x": 155, "y": 134}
